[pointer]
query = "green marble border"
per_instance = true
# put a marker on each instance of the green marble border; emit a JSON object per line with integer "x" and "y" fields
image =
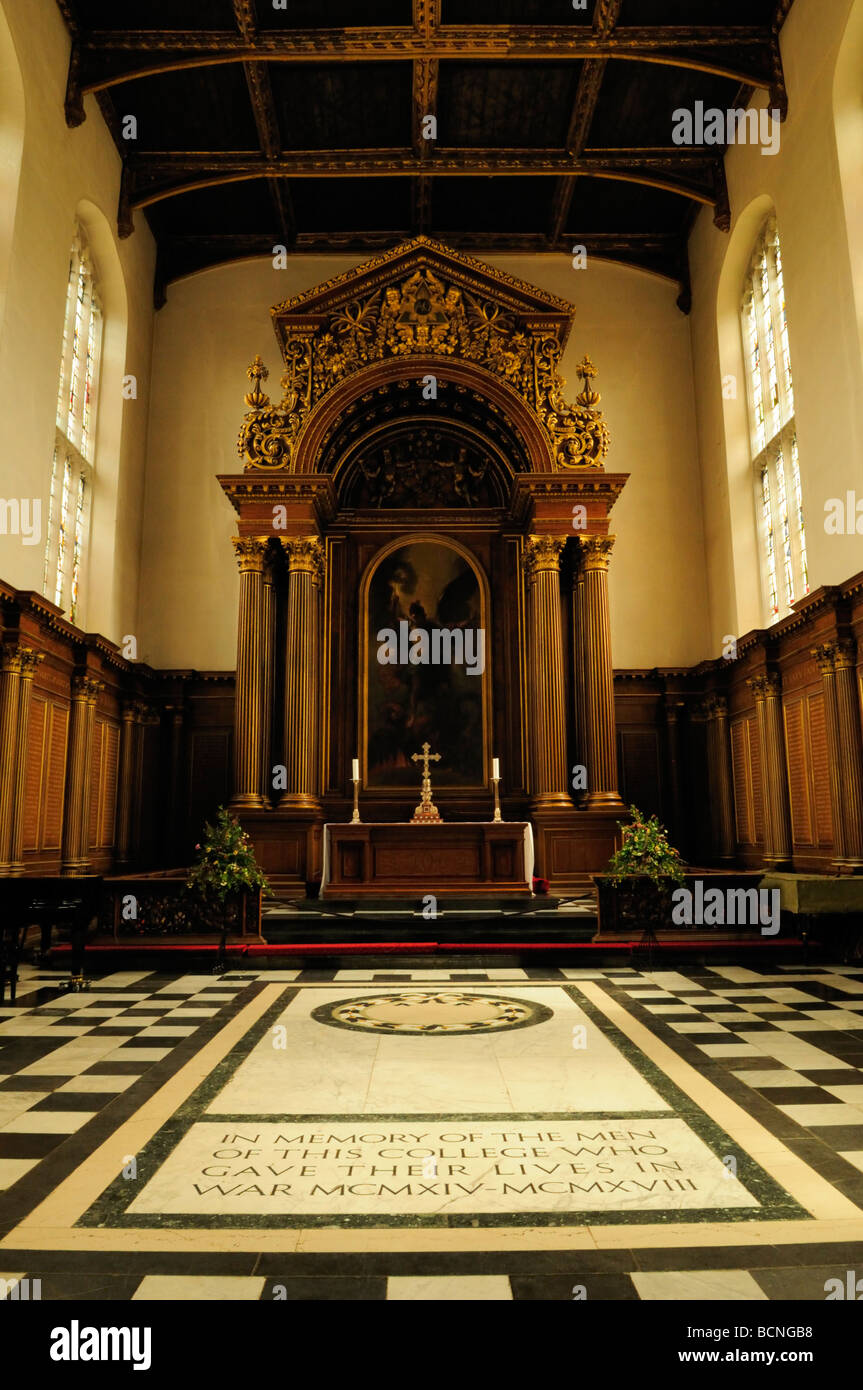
{"x": 540, "y": 1013}
{"x": 110, "y": 1209}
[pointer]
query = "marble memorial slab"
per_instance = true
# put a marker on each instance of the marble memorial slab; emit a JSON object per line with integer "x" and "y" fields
{"x": 417, "y": 1168}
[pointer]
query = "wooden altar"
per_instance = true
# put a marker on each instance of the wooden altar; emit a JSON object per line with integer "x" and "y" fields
{"x": 444, "y": 860}
{"x": 423, "y": 487}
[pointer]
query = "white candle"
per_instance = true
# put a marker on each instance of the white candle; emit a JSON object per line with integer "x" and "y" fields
{"x": 495, "y": 767}
{"x": 355, "y": 775}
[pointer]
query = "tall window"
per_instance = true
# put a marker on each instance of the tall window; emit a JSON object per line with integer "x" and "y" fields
{"x": 779, "y": 498}
{"x": 72, "y": 469}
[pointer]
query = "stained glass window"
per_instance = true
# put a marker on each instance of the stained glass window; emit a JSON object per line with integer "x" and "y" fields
{"x": 767, "y": 355}
{"x": 72, "y": 467}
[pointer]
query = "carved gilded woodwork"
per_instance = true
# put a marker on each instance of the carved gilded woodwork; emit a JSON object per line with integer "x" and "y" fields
{"x": 423, "y": 300}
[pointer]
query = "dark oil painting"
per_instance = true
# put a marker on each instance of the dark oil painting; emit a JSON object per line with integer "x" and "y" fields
{"x": 428, "y": 585}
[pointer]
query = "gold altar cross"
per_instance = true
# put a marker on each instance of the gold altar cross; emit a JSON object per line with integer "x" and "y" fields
{"x": 425, "y": 757}
{"x": 426, "y": 813}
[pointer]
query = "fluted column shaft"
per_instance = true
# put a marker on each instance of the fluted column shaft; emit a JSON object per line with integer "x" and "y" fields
{"x": 268, "y": 676}
{"x": 578, "y": 668}
{"x": 825, "y": 659}
{"x": 767, "y": 690}
{"x": 600, "y": 744}
{"x": 305, "y": 557}
{"x": 251, "y": 554}
{"x": 851, "y": 751}
{"x": 126, "y": 783}
{"x": 29, "y": 665}
{"x": 549, "y": 780}
{"x": 837, "y": 663}
{"x": 10, "y": 685}
{"x": 76, "y": 807}
{"x": 721, "y": 780}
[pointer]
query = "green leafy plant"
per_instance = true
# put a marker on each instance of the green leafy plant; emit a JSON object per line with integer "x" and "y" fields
{"x": 645, "y": 852}
{"x": 226, "y": 864}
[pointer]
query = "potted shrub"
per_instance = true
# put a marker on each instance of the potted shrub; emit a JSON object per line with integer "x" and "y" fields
{"x": 634, "y": 894}
{"x": 226, "y": 881}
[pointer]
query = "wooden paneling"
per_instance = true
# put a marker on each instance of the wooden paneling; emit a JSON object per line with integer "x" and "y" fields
{"x": 45, "y": 775}
{"x": 819, "y": 764}
{"x": 640, "y": 769}
{"x": 799, "y": 772}
{"x": 746, "y": 774}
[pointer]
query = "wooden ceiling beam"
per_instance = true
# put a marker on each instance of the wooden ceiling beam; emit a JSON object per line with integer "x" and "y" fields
{"x": 742, "y": 53}
{"x": 153, "y": 179}
{"x": 605, "y": 17}
{"x": 266, "y": 118}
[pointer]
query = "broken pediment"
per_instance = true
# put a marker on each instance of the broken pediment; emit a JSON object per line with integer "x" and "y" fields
{"x": 422, "y": 300}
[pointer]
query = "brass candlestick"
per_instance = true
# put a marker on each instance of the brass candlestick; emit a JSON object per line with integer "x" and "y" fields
{"x": 355, "y": 818}
{"x": 497, "y": 816}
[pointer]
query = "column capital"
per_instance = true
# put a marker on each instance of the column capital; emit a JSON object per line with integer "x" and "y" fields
{"x": 30, "y": 661}
{"x": 250, "y": 553}
{"x": 846, "y": 654}
{"x": 85, "y": 690}
{"x": 542, "y": 553}
{"x": 824, "y": 656}
{"x": 305, "y": 555}
{"x": 766, "y": 686}
{"x": 21, "y": 660}
{"x": 596, "y": 551}
{"x": 715, "y": 706}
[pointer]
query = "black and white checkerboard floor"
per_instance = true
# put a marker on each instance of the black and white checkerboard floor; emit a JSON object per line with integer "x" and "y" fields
{"x": 792, "y": 1037}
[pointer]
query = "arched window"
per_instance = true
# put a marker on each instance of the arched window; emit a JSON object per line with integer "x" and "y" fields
{"x": 72, "y": 469}
{"x": 779, "y": 499}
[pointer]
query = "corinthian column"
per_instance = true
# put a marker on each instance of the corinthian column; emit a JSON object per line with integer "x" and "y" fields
{"x": 29, "y": 663}
{"x": 767, "y": 690}
{"x": 549, "y": 779}
{"x": 825, "y": 659}
{"x": 851, "y": 750}
{"x": 126, "y": 789}
{"x": 721, "y": 785}
{"x": 76, "y": 806}
{"x": 268, "y": 671}
{"x": 251, "y": 554}
{"x": 306, "y": 561}
{"x": 599, "y": 745}
{"x": 10, "y": 684}
{"x": 838, "y": 666}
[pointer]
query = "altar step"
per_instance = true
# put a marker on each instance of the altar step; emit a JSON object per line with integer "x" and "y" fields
{"x": 496, "y": 920}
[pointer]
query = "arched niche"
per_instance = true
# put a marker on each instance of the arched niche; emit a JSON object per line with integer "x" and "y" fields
{"x": 529, "y": 444}
{"x": 426, "y": 581}
{"x": 743, "y": 579}
{"x": 12, "y": 125}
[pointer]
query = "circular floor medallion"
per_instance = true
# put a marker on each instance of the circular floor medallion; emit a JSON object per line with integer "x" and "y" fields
{"x": 423, "y": 1012}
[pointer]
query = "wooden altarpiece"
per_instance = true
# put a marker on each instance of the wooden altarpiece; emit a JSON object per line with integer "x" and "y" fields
{"x": 422, "y": 420}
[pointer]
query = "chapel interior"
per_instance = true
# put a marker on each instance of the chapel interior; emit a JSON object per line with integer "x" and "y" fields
{"x": 431, "y": 462}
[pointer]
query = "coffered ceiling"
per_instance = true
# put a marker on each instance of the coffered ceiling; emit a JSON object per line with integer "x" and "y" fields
{"x": 256, "y": 126}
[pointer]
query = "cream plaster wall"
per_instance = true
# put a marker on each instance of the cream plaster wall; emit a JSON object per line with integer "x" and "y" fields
{"x": 802, "y": 182}
{"x": 65, "y": 173}
{"x": 215, "y": 322}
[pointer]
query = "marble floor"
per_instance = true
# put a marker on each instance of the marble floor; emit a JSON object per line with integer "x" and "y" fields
{"x": 455, "y": 1133}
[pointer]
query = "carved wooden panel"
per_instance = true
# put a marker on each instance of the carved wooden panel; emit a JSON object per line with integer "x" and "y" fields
{"x": 820, "y": 765}
{"x": 103, "y": 783}
{"x": 799, "y": 771}
{"x": 45, "y": 775}
{"x": 640, "y": 768}
{"x": 742, "y": 782}
{"x": 757, "y": 786}
{"x": 33, "y": 773}
{"x": 209, "y": 774}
